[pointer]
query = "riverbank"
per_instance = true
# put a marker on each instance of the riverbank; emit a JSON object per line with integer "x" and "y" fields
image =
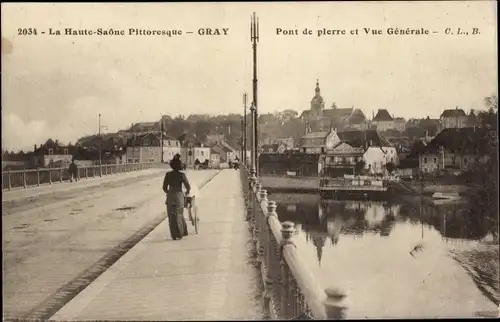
{"x": 290, "y": 184}
{"x": 482, "y": 266}
{"x": 429, "y": 188}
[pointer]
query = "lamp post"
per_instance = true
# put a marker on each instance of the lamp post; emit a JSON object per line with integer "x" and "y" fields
{"x": 244, "y": 157}
{"x": 254, "y": 38}
{"x": 253, "y": 146}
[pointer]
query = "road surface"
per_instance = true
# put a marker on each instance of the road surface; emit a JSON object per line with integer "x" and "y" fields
{"x": 57, "y": 241}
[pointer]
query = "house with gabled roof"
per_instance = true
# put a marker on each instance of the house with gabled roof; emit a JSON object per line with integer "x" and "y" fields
{"x": 456, "y": 149}
{"x": 383, "y": 121}
{"x": 147, "y": 147}
{"x": 453, "y": 118}
{"x": 354, "y": 146}
{"x": 318, "y": 142}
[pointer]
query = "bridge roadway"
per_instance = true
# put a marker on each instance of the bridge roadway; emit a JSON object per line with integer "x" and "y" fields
{"x": 101, "y": 250}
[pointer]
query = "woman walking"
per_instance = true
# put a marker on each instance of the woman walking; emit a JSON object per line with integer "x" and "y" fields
{"x": 172, "y": 186}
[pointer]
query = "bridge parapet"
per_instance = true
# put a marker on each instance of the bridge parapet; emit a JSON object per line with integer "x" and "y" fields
{"x": 290, "y": 290}
{"x": 36, "y": 177}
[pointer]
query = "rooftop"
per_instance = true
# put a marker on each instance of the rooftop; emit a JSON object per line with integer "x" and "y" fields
{"x": 363, "y": 139}
{"x": 460, "y": 140}
{"x": 382, "y": 115}
{"x": 453, "y": 113}
{"x": 315, "y": 135}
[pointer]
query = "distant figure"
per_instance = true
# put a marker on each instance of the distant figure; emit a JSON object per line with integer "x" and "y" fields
{"x": 73, "y": 171}
{"x": 172, "y": 186}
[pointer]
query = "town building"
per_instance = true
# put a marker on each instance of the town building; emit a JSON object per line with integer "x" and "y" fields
{"x": 215, "y": 158}
{"x": 383, "y": 121}
{"x": 52, "y": 154}
{"x": 342, "y": 160}
{"x": 455, "y": 149}
{"x": 147, "y": 147}
{"x": 407, "y": 168}
{"x": 319, "y": 119}
{"x": 354, "y": 146}
{"x": 171, "y": 147}
{"x": 453, "y": 118}
{"x": 318, "y": 142}
{"x": 273, "y": 148}
{"x": 288, "y": 142}
{"x": 399, "y": 124}
{"x": 301, "y": 164}
{"x": 201, "y": 153}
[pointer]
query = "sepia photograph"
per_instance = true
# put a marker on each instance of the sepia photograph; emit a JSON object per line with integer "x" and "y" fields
{"x": 214, "y": 161}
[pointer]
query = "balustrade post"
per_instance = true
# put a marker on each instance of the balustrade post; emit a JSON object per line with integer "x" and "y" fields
{"x": 261, "y": 220}
{"x": 335, "y": 303}
{"x": 287, "y": 231}
{"x": 251, "y": 199}
{"x": 24, "y": 178}
{"x": 38, "y": 177}
{"x": 9, "y": 180}
{"x": 61, "y": 174}
{"x": 86, "y": 172}
{"x": 50, "y": 176}
{"x": 270, "y": 270}
{"x": 254, "y": 220}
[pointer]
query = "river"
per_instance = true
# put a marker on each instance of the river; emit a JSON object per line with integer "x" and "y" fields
{"x": 398, "y": 259}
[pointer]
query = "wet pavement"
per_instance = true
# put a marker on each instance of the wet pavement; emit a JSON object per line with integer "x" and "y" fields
{"x": 398, "y": 260}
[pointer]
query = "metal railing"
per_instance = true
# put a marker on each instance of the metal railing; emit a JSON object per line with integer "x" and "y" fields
{"x": 37, "y": 177}
{"x": 290, "y": 290}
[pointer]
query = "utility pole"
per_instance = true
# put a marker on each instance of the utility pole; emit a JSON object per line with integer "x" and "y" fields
{"x": 100, "y": 147}
{"x": 161, "y": 139}
{"x": 254, "y": 37}
{"x": 101, "y": 127}
{"x": 244, "y": 128}
{"x": 253, "y": 150}
{"x": 242, "y": 141}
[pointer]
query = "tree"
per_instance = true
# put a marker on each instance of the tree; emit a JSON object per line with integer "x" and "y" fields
{"x": 390, "y": 167}
{"x": 286, "y": 116}
{"x": 416, "y": 149}
{"x": 359, "y": 167}
{"x": 202, "y": 129}
{"x": 491, "y": 102}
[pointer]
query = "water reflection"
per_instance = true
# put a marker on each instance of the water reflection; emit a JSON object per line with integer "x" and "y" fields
{"x": 360, "y": 217}
{"x": 393, "y": 256}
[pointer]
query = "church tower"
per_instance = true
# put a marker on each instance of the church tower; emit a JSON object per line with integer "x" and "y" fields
{"x": 317, "y": 102}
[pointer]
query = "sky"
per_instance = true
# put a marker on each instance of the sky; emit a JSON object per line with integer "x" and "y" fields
{"x": 56, "y": 86}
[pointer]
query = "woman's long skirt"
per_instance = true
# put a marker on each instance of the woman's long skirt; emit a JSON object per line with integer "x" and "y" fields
{"x": 175, "y": 210}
